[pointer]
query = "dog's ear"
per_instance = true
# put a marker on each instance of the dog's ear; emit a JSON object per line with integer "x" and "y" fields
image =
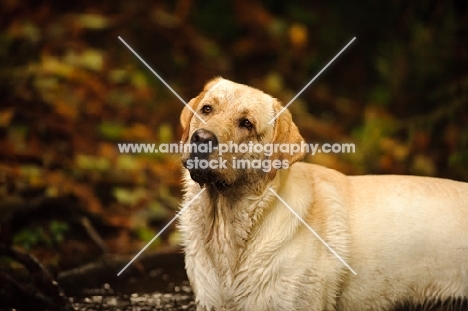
{"x": 211, "y": 83}
{"x": 185, "y": 118}
{"x": 285, "y": 132}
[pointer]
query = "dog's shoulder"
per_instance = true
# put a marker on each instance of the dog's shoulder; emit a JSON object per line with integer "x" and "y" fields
{"x": 317, "y": 178}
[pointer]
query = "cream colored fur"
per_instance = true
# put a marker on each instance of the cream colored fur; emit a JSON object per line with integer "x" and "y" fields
{"x": 405, "y": 236}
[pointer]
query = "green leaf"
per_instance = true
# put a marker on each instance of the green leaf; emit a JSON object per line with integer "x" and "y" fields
{"x": 166, "y": 134}
{"x": 87, "y": 162}
{"x": 111, "y": 130}
{"x": 129, "y": 197}
{"x": 139, "y": 79}
{"x": 91, "y": 21}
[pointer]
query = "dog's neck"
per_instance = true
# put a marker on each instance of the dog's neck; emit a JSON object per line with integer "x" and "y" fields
{"x": 231, "y": 218}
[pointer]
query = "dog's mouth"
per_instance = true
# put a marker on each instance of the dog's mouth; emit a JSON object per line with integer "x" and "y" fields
{"x": 206, "y": 177}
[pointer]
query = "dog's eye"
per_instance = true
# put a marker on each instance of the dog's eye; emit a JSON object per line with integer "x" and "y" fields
{"x": 246, "y": 123}
{"x": 206, "y": 109}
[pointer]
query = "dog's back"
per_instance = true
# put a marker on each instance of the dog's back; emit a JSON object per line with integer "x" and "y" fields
{"x": 409, "y": 241}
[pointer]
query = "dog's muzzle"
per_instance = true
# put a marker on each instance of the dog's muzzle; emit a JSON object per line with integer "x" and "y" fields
{"x": 202, "y": 144}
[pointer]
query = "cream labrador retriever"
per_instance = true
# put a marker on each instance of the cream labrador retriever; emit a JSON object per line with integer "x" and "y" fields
{"x": 406, "y": 237}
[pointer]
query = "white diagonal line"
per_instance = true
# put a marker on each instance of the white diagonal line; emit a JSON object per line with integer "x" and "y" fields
{"x": 162, "y": 230}
{"x": 310, "y": 82}
{"x": 313, "y": 231}
{"x": 162, "y": 80}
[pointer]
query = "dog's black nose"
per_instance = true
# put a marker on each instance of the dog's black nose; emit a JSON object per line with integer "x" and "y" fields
{"x": 204, "y": 137}
{"x": 204, "y": 141}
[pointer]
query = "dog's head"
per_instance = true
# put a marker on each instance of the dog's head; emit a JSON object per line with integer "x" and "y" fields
{"x": 227, "y": 149}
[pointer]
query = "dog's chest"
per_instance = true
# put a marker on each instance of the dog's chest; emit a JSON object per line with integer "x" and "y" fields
{"x": 233, "y": 262}
{"x": 228, "y": 247}
{"x": 250, "y": 277}
{"x": 225, "y": 242}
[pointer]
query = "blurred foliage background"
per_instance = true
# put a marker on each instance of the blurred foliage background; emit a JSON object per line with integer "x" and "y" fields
{"x": 70, "y": 91}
